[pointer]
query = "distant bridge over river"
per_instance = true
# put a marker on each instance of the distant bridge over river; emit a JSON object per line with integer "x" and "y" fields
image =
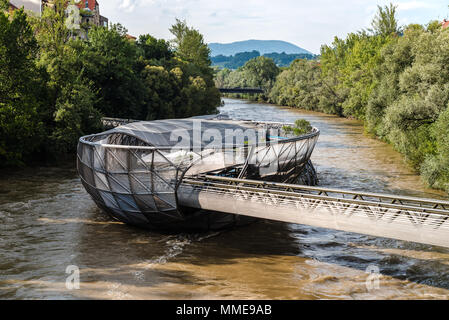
{"x": 241, "y": 90}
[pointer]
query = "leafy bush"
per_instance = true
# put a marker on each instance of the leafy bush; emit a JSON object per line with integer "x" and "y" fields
{"x": 21, "y": 127}
{"x": 300, "y": 127}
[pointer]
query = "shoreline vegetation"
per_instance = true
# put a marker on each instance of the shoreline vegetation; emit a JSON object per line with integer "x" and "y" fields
{"x": 394, "y": 79}
{"x": 55, "y": 87}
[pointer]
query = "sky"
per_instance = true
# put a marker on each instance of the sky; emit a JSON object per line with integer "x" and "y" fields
{"x": 306, "y": 23}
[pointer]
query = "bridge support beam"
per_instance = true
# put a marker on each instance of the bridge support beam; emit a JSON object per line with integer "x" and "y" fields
{"x": 371, "y": 220}
{"x": 241, "y": 90}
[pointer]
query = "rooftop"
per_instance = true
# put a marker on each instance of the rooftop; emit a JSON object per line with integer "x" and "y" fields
{"x": 445, "y": 23}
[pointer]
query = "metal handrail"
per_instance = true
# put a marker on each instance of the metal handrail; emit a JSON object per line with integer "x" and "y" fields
{"x": 423, "y": 205}
{"x": 322, "y": 189}
{"x": 315, "y": 132}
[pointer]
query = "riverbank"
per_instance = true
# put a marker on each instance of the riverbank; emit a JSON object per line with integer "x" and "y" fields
{"x": 365, "y": 132}
{"x": 393, "y": 79}
{"x": 246, "y": 96}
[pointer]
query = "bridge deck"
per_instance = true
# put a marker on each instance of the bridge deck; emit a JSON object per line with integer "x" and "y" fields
{"x": 403, "y": 218}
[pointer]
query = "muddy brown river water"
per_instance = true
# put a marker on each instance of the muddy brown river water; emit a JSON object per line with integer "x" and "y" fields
{"x": 48, "y": 222}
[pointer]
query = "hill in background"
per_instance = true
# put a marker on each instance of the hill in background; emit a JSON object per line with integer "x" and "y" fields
{"x": 262, "y": 46}
{"x": 239, "y": 59}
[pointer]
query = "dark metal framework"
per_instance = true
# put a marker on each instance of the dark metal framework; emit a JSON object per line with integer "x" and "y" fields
{"x": 115, "y": 122}
{"x": 139, "y": 184}
{"x": 241, "y": 90}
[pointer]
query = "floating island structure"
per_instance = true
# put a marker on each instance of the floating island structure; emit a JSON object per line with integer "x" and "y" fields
{"x": 134, "y": 171}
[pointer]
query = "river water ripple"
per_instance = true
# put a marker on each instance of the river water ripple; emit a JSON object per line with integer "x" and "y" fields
{"x": 47, "y": 222}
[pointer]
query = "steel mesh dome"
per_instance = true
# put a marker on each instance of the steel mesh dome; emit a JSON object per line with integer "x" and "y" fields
{"x": 133, "y": 171}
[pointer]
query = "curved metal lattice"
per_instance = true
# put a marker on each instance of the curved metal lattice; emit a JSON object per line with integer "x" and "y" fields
{"x": 138, "y": 183}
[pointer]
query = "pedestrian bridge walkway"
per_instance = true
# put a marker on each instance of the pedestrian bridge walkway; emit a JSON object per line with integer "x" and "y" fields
{"x": 404, "y": 218}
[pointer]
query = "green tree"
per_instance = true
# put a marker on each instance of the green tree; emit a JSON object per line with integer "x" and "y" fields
{"x": 50, "y": 28}
{"x": 21, "y": 131}
{"x": 298, "y": 86}
{"x": 164, "y": 93}
{"x": 239, "y": 59}
{"x": 435, "y": 168}
{"x": 199, "y": 94}
{"x": 155, "y": 50}
{"x": 362, "y": 59}
{"x": 221, "y": 78}
{"x": 395, "y": 57}
{"x": 190, "y": 45}
{"x": 74, "y": 117}
{"x": 109, "y": 61}
{"x": 385, "y": 22}
{"x": 261, "y": 72}
{"x": 69, "y": 112}
{"x": 423, "y": 96}
{"x": 4, "y": 5}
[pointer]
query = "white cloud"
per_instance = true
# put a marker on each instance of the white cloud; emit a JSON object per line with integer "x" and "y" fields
{"x": 305, "y": 23}
{"x": 128, "y": 5}
{"x": 413, "y": 5}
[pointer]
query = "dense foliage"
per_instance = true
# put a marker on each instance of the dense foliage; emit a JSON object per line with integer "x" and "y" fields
{"x": 284, "y": 59}
{"x": 396, "y": 80}
{"x": 257, "y": 72}
{"x": 21, "y": 127}
{"x": 300, "y": 127}
{"x": 235, "y": 61}
{"x": 239, "y": 59}
{"x": 55, "y": 87}
{"x": 260, "y": 72}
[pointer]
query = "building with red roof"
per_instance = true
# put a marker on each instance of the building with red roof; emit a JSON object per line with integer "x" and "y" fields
{"x": 12, "y": 7}
{"x": 88, "y": 4}
{"x": 445, "y": 24}
{"x": 130, "y": 37}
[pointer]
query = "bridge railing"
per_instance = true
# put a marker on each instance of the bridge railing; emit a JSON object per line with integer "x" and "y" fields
{"x": 382, "y": 215}
{"x": 241, "y": 90}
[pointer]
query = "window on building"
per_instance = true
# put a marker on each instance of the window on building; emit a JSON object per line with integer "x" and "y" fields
{"x": 87, "y": 3}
